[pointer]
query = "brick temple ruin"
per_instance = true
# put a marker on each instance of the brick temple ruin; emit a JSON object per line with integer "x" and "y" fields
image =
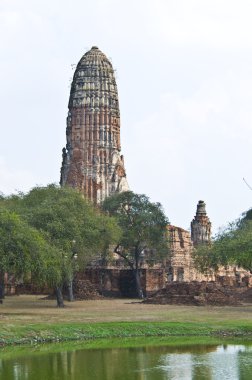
{"x": 92, "y": 163}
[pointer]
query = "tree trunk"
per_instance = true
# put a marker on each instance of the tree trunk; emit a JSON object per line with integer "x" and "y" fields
{"x": 59, "y": 297}
{"x": 139, "y": 289}
{"x": 1, "y": 293}
{"x": 70, "y": 291}
{"x": 2, "y": 296}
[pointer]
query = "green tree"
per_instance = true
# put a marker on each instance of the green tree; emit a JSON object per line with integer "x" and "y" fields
{"x": 231, "y": 246}
{"x": 143, "y": 225}
{"x": 69, "y": 223}
{"x": 24, "y": 250}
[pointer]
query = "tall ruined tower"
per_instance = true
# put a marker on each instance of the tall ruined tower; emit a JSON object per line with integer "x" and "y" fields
{"x": 91, "y": 160}
{"x": 201, "y": 226}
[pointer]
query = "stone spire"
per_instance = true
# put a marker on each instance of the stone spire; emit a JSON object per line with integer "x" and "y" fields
{"x": 91, "y": 159}
{"x": 201, "y": 226}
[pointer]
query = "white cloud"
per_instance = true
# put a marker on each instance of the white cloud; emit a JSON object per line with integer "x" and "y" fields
{"x": 195, "y": 146}
{"x": 13, "y": 180}
{"x": 210, "y": 22}
{"x": 9, "y": 19}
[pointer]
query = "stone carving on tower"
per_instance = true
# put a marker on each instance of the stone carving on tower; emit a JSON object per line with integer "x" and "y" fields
{"x": 91, "y": 160}
{"x": 201, "y": 226}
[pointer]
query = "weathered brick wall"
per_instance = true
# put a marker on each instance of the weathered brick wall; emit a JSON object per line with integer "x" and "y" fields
{"x": 121, "y": 282}
{"x": 155, "y": 280}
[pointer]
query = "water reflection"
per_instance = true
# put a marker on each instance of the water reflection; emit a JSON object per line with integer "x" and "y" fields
{"x": 145, "y": 363}
{"x": 224, "y": 362}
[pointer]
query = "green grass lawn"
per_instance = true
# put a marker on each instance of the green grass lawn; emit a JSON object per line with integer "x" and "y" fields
{"x": 31, "y": 319}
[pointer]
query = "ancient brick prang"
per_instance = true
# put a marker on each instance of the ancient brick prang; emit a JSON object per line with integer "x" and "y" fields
{"x": 201, "y": 226}
{"x": 91, "y": 159}
{"x": 180, "y": 265}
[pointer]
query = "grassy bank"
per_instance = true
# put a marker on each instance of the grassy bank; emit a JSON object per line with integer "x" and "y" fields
{"x": 62, "y": 332}
{"x": 30, "y": 319}
{"x": 181, "y": 344}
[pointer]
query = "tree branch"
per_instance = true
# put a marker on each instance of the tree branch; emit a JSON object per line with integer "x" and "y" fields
{"x": 119, "y": 252}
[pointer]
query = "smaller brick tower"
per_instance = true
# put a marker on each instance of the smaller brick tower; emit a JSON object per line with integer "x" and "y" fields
{"x": 201, "y": 226}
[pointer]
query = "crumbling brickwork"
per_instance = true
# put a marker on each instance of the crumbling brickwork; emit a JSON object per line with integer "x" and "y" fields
{"x": 120, "y": 282}
{"x": 91, "y": 160}
{"x": 115, "y": 278}
{"x": 201, "y": 226}
{"x": 180, "y": 266}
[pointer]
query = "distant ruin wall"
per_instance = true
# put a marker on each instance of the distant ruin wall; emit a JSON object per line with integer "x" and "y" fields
{"x": 121, "y": 282}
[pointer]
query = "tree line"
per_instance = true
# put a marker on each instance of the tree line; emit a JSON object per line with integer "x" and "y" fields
{"x": 51, "y": 232}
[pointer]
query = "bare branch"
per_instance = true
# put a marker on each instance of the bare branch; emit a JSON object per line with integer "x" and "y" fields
{"x": 119, "y": 252}
{"x": 247, "y": 184}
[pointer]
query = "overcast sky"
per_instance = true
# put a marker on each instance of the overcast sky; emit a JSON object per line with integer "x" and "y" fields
{"x": 184, "y": 75}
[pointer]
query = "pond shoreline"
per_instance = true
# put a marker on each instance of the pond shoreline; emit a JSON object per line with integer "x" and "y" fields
{"x": 41, "y": 333}
{"x": 29, "y": 319}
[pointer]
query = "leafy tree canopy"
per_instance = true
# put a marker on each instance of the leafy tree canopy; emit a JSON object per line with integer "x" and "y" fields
{"x": 143, "y": 225}
{"x": 66, "y": 219}
{"x": 65, "y": 222}
{"x": 23, "y": 250}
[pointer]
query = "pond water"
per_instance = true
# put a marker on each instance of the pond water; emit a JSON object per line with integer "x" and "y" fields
{"x": 198, "y": 362}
